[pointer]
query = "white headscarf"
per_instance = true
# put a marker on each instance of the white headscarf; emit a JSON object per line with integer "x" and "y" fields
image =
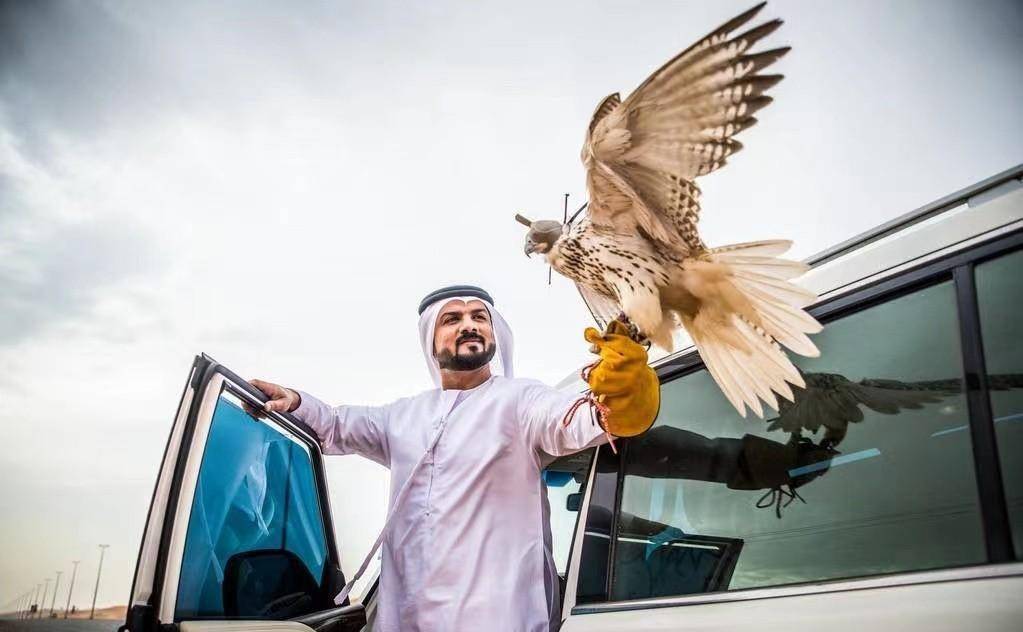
{"x": 500, "y": 364}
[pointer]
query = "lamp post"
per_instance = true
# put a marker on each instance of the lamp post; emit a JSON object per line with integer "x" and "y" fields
{"x": 74, "y": 571}
{"x": 56, "y": 587}
{"x": 46, "y": 589}
{"x": 102, "y": 549}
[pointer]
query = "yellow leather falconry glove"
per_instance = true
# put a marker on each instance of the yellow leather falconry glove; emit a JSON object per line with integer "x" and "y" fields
{"x": 622, "y": 381}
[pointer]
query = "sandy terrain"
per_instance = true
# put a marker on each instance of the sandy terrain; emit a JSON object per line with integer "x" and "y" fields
{"x": 59, "y": 625}
{"x": 111, "y": 613}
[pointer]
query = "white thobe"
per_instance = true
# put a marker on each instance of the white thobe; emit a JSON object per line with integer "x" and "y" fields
{"x": 470, "y": 547}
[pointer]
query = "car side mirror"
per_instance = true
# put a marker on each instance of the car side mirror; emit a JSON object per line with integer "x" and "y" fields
{"x": 574, "y": 501}
{"x": 268, "y": 584}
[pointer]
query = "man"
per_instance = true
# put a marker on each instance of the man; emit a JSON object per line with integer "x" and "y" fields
{"x": 469, "y": 544}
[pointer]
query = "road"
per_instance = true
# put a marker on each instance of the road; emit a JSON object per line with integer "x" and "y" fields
{"x": 59, "y": 625}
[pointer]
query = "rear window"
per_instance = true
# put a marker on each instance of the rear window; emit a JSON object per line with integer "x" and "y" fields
{"x": 869, "y": 472}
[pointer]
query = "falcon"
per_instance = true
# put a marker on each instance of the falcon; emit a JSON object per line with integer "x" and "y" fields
{"x": 637, "y": 254}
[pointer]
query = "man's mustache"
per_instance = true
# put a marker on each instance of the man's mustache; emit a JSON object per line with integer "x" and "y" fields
{"x": 470, "y": 338}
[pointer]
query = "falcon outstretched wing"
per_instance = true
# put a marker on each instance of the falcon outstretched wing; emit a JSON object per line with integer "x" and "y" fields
{"x": 643, "y": 153}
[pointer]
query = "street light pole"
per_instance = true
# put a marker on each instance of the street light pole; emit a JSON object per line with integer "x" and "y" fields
{"x": 102, "y": 550}
{"x": 56, "y": 587}
{"x": 74, "y": 571}
{"x": 46, "y": 589}
{"x": 35, "y": 599}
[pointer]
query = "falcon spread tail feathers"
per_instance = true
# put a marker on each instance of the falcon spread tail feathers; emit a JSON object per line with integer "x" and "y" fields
{"x": 638, "y": 251}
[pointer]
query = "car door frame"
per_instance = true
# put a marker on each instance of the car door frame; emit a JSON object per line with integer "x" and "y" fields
{"x": 151, "y": 604}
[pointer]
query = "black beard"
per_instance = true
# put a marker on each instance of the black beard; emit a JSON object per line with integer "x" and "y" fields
{"x": 470, "y": 362}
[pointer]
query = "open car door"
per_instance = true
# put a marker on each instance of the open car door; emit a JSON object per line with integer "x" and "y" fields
{"x": 239, "y": 533}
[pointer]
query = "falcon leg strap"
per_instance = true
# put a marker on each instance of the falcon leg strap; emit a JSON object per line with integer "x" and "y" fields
{"x": 598, "y": 410}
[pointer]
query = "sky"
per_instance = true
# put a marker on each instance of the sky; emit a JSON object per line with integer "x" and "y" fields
{"x": 278, "y": 184}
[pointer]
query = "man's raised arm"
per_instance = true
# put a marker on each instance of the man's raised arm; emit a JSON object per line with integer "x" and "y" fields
{"x": 545, "y": 411}
{"x": 340, "y": 429}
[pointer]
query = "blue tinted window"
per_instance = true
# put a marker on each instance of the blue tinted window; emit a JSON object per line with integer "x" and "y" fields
{"x": 564, "y": 486}
{"x": 256, "y": 491}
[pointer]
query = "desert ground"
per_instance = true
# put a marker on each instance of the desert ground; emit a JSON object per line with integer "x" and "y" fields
{"x": 107, "y": 620}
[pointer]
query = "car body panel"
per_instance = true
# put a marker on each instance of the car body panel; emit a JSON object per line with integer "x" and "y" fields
{"x": 962, "y": 601}
{"x": 244, "y": 626}
{"x": 207, "y": 404}
{"x": 145, "y": 569}
{"x": 982, "y": 597}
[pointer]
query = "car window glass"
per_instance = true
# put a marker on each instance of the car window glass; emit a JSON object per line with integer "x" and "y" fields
{"x": 870, "y": 472}
{"x": 256, "y": 491}
{"x": 1000, "y": 298}
{"x": 564, "y": 480}
{"x": 592, "y": 586}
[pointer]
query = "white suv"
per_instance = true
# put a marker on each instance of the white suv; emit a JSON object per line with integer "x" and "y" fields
{"x": 888, "y": 496}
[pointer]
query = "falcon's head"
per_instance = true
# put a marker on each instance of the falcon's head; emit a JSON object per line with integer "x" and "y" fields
{"x": 541, "y": 234}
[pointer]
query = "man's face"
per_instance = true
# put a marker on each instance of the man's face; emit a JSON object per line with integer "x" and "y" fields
{"x": 464, "y": 337}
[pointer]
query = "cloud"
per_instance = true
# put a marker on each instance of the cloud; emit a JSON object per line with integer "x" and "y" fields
{"x": 61, "y": 254}
{"x": 66, "y": 64}
{"x": 59, "y": 273}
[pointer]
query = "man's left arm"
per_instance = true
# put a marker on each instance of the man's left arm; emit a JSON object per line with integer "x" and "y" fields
{"x": 551, "y": 424}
